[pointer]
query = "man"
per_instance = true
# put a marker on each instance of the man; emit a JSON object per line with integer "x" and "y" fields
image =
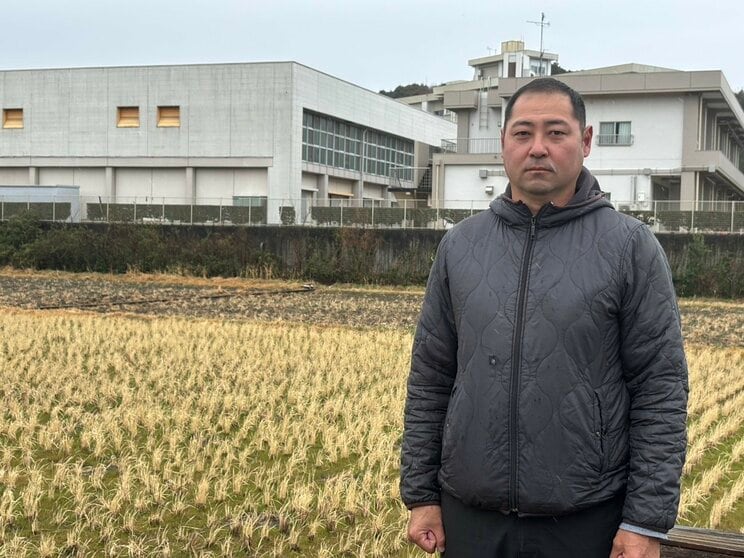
{"x": 547, "y": 396}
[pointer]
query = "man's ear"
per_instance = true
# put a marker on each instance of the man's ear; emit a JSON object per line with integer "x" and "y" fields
{"x": 586, "y": 140}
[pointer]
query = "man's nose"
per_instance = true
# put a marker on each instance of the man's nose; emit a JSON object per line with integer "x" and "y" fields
{"x": 537, "y": 149}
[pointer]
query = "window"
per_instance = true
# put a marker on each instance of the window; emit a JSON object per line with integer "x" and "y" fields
{"x": 335, "y": 143}
{"x": 169, "y": 117}
{"x": 127, "y": 117}
{"x": 614, "y": 133}
{"x": 13, "y": 118}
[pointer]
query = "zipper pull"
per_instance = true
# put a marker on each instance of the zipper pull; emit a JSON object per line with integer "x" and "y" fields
{"x": 532, "y": 228}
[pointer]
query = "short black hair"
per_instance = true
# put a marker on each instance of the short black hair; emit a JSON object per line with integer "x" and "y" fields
{"x": 549, "y": 85}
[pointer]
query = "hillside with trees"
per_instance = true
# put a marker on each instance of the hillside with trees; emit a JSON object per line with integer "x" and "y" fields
{"x": 407, "y": 90}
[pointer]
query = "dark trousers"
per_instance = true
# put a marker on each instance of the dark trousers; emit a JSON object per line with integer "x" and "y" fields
{"x": 476, "y": 533}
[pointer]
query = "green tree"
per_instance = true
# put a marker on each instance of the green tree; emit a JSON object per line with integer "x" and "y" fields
{"x": 407, "y": 90}
{"x": 556, "y": 69}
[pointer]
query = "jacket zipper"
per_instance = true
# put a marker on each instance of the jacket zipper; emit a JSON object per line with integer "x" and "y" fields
{"x": 516, "y": 358}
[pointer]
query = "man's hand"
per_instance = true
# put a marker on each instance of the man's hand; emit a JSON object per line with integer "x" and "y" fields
{"x": 633, "y": 545}
{"x": 425, "y": 528}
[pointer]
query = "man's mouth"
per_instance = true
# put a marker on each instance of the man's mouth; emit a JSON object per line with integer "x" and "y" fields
{"x": 538, "y": 169}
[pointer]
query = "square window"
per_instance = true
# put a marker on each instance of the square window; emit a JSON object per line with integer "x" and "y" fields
{"x": 13, "y": 118}
{"x": 127, "y": 117}
{"x": 614, "y": 133}
{"x": 169, "y": 117}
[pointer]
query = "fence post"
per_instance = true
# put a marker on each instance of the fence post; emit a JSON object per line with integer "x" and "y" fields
{"x": 405, "y": 211}
{"x": 108, "y": 219}
{"x": 135, "y": 210}
{"x": 2, "y": 210}
{"x": 249, "y": 213}
{"x": 162, "y": 213}
{"x": 655, "y": 219}
{"x": 54, "y": 209}
{"x": 733, "y": 203}
{"x": 220, "y": 211}
{"x": 373, "y": 214}
{"x": 191, "y": 213}
{"x": 692, "y": 216}
{"x": 341, "y": 218}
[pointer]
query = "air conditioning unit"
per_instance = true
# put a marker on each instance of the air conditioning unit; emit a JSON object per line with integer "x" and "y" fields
{"x": 483, "y": 173}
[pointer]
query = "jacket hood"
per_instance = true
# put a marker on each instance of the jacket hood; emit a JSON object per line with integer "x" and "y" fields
{"x": 588, "y": 198}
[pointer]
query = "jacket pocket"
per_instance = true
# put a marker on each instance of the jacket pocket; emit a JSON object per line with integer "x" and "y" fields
{"x": 600, "y": 432}
{"x": 450, "y": 426}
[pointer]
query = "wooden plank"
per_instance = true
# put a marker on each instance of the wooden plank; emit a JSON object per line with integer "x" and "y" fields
{"x": 702, "y": 543}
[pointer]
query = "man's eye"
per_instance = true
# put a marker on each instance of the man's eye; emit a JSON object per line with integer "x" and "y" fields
{"x": 557, "y": 133}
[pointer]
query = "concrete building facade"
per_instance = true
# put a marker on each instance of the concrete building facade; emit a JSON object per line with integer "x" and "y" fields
{"x": 208, "y": 134}
{"x": 659, "y": 134}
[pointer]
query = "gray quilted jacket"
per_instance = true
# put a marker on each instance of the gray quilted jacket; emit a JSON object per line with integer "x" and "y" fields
{"x": 548, "y": 372}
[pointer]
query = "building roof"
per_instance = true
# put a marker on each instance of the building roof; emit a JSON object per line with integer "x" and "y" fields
{"x": 629, "y": 68}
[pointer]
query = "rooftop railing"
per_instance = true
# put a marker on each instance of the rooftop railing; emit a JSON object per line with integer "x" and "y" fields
{"x": 472, "y": 146}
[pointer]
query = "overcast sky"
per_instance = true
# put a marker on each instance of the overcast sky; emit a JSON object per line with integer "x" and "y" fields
{"x": 376, "y": 44}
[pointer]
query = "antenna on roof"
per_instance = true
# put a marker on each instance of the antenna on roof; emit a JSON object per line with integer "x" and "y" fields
{"x": 490, "y": 50}
{"x": 543, "y": 24}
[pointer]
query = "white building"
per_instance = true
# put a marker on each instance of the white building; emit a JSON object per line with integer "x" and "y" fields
{"x": 262, "y": 134}
{"x": 659, "y": 134}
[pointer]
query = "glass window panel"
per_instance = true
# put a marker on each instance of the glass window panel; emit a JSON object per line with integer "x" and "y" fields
{"x": 623, "y": 132}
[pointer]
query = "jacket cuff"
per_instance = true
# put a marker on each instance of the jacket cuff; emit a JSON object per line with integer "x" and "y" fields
{"x": 643, "y": 531}
{"x": 421, "y": 504}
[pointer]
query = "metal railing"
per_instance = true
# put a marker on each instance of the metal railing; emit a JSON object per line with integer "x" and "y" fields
{"x": 472, "y": 145}
{"x": 687, "y": 216}
{"x": 410, "y": 178}
{"x": 615, "y": 139}
{"x": 405, "y": 212}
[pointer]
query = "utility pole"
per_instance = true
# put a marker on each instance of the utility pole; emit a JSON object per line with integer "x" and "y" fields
{"x": 543, "y": 24}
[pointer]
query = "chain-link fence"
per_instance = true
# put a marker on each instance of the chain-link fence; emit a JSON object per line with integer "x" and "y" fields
{"x": 661, "y": 216}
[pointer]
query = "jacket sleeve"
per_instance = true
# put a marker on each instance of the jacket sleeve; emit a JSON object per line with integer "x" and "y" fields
{"x": 432, "y": 374}
{"x": 655, "y": 371}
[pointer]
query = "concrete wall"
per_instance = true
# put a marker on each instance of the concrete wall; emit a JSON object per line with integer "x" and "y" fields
{"x": 150, "y": 183}
{"x": 233, "y": 117}
{"x": 226, "y": 183}
{"x": 466, "y": 188}
{"x": 18, "y": 176}
{"x": 624, "y": 171}
{"x": 226, "y": 110}
{"x": 90, "y": 180}
{"x": 656, "y": 124}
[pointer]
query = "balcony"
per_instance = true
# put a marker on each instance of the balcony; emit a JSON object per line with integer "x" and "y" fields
{"x": 472, "y": 146}
{"x": 614, "y": 139}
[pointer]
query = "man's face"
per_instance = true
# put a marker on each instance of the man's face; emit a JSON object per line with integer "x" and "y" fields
{"x": 544, "y": 149}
